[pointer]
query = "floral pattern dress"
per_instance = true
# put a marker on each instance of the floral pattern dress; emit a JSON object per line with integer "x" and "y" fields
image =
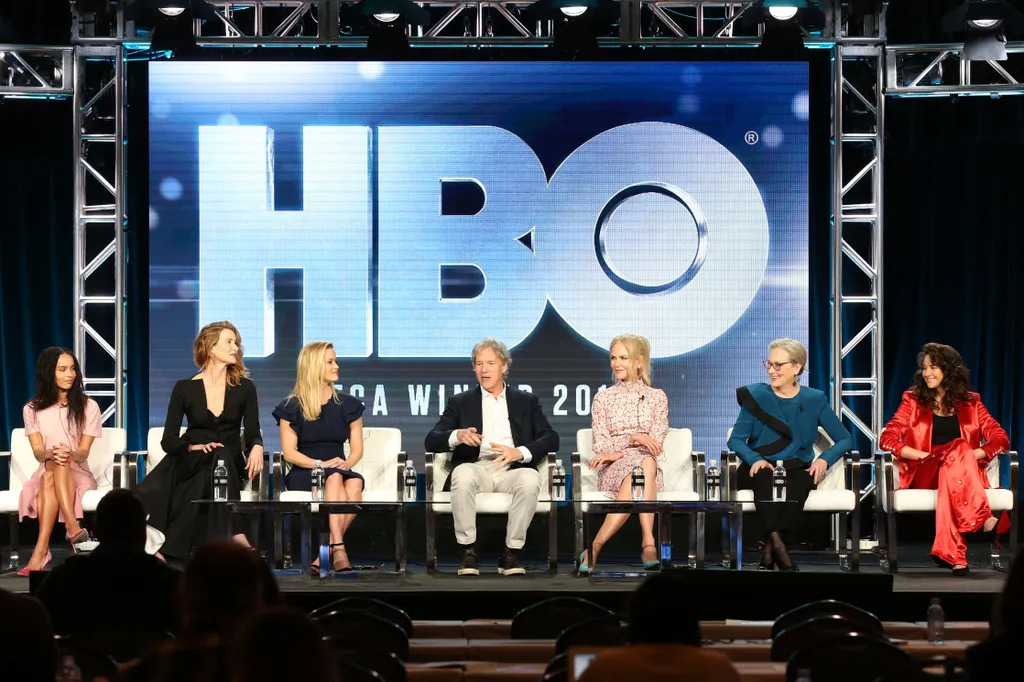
{"x": 619, "y": 412}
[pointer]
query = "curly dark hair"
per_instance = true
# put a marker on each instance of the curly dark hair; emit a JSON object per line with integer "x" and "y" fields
{"x": 956, "y": 378}
{"x": 47, "y": 392}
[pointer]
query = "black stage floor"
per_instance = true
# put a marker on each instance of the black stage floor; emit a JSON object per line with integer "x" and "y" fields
{"x": 718, "y": 593}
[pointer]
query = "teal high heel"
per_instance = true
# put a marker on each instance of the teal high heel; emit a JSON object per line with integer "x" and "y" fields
{"x": 650, "y": 565}
{"x": 583, "y": 568}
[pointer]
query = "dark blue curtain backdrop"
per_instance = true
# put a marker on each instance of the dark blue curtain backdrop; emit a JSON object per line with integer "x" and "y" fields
{"x": 954, "y": 245}
{"x": 36, "y": 247}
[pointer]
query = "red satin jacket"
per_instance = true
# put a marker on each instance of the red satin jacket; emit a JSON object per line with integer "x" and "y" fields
{"x": 911, "y": 426}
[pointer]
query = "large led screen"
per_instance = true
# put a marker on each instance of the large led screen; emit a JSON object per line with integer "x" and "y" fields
{"x": 404, "y": 211}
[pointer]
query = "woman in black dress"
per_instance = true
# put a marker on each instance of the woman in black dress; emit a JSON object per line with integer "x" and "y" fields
{"x": 218, "y": 402}
{"x": 315, "y": 422}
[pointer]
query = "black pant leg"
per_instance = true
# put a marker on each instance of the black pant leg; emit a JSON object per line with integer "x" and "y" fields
{"x": 786, "y": 518}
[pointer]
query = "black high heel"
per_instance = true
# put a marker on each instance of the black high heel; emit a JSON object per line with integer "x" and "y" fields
{"x": 767, "y": 562}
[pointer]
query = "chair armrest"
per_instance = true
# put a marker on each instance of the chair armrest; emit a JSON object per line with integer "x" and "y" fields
{"x": 885, "y": 463}
{"x": 143, "y": 458}
{"x": 992, "y": 471}
{"x": 700, "y": 474}
{"x": 835, "y": 475}
{"x": 277, "y": 472}
{"x": 400, "y": 474}
{"x": 576, "y": 465}
{"x": 262, "y": 482}
{"x": 730, "y": 463}
{"x": 126, "y": 470}
{"x": 428, "y": 476}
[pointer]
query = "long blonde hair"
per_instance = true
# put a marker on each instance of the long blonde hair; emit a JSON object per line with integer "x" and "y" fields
{"x": 309, "y": 379}
{"x": 208, "y": 338}
{"x": 639, "y": 349}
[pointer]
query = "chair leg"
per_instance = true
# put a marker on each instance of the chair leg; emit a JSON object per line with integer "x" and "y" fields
{"x": 695, "y": 556}
{"x": 844, "y": 552}
{"x": 855, "y": 540}
{"x": 891, "y": 554}
{"x": 13, "y": 554}
{"x": 553, "y": 539}
{"x": 431, "y": 540}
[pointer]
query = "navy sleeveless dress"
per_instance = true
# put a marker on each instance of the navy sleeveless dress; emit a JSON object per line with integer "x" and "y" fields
{"x": 322, "y": 439}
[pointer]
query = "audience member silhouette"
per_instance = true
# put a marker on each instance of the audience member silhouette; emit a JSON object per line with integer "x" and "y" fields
{"x": 991, "y": 658}
{"x": 27, "y": 647}
{"x": 281, "y": 644}
{"x": 664, "y": 636}
{"x": 119, "y": 562}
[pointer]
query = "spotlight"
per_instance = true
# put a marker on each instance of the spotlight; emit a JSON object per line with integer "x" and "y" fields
{"x": 171, "y": 11}
{"x": 578, "y": 23}
{"x": 172, "y": 22}
{"x": 986, "y": 24}
{"x": 573, "y": 8}
{"x": 782, "y": 20}
{"x": 386, "y": 25}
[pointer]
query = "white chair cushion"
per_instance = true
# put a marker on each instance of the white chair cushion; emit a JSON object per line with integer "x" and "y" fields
{"x": 9, "y": 501}
{"x": 817, "y": 501}
{"x": 486, "y": 503}
{"x": 924, "y": 500}
{"x": 676, "y": 464}
{"x": 91, "y": 498}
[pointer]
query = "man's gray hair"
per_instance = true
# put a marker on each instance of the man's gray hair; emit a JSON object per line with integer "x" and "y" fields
{"x": 500, "y": 349}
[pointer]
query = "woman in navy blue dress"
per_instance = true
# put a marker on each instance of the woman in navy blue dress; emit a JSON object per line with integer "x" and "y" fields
{"x": 315, "y": 422}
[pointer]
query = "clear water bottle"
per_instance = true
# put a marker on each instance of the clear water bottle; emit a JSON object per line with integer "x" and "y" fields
{"x": 638, "y": 483}
{"x": 409, "y": 477}
{"x": 68, "y": 671}
{"x": 558, "y": 480}
{"x": 220, "y": 482}
{"x": 714, "y": 484}
{"x": 936, "y": 622}
{"x": 803, "y": 675}
{"x": 779, "y": 483}
{"x": 317, "y": 482}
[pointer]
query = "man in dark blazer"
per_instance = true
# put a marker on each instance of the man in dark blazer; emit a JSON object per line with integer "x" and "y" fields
{"x": 497, "y": 435}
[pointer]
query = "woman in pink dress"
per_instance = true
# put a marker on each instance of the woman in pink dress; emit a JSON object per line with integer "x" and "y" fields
{"x": 630, "y": 422}
{"x": 61, "y": 423}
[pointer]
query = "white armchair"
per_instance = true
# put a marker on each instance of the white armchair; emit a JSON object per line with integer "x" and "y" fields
{"x": 834, "y": 494}
{"x": 382, "y": 468}
{"x": 109, "y": 463}
{"x": 253, "y": 490}
{"x": 683, "y": 472}
{"x": 439, "y": 467}
{"x": 890, "y": 500}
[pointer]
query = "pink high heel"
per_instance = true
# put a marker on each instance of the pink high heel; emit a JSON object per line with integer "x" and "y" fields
{"x": 46, "y": 562}
{"x": 81, "y": 536}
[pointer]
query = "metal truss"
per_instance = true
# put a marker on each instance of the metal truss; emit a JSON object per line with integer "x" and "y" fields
{"x": 100, "y": 254}
{"x": 858, "y": 133}
{"x": 42, "y": 72}
{"x": 941, "y": 71}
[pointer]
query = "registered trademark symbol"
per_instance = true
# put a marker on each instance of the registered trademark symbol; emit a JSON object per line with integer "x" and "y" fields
{"x": 751, "y": 137}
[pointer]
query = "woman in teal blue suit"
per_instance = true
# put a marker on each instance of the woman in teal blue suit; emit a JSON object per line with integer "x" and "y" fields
{"x": 779, "y": 422}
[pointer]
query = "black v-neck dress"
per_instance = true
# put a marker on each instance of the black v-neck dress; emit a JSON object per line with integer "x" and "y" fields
{"x": 186, "y": 475}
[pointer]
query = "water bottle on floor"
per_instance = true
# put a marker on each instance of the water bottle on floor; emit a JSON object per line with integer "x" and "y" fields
{"x": 68, "y": 670}
{"x": 638, "y": 483}
{"x": 714, "y": 480}
{"x": 220, "y": 482}
{"x": 779, "y": 483}
{"x": 317, "y": 482}
{"x": 558, "y": 480}
{"x": 409, "y": 477}
{"x": 936, "y": 622}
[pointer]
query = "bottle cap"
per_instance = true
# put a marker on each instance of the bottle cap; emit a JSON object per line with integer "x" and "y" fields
{"x": 317, "y": 462}
{"x": 220, "y": 462}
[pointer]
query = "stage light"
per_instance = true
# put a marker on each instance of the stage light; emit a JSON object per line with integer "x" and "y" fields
{"x": 986, "y": 24}
{"x": 782, "y": 13}
{"x": 386, "y": 18}
{"x": 171, "y": 11}
{"x": 573, "y": 8}
{"x": 782, "y": 19}
{"x": 573, "y": 11}
{"x": 389, "y": 11}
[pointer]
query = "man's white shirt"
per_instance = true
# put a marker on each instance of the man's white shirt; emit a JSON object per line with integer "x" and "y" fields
{"x": 496, "y": 427}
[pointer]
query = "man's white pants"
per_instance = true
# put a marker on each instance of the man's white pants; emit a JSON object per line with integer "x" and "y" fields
{"x": 472, "y": 478}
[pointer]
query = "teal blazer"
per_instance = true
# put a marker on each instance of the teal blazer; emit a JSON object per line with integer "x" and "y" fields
{"x": 749, "y": 432}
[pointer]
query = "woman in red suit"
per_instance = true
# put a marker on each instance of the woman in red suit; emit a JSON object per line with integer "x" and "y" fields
{"x": 943, "y": 439}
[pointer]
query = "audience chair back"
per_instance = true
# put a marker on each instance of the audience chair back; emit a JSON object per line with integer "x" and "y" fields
{"x": 853, "y": 657}
{"x": 352, "y": 672}
{"x": 808, "y": 633}
{"x": 604, "y": 630}
{"x": 205, "y": 660}
{"x": 866, "y": 622}
{"x": 385, "y": 664}
{"x": 384, "y": 610}
{"x": 549, "y": 618}
{"x": 361, "y": 626}
{"x": 93, "y": 662}
{"x": 559, "y": 665}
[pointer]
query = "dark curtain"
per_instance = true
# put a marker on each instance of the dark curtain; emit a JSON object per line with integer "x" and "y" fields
{"x": 36, "y": 247}
{"x": 954, "y": 244}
